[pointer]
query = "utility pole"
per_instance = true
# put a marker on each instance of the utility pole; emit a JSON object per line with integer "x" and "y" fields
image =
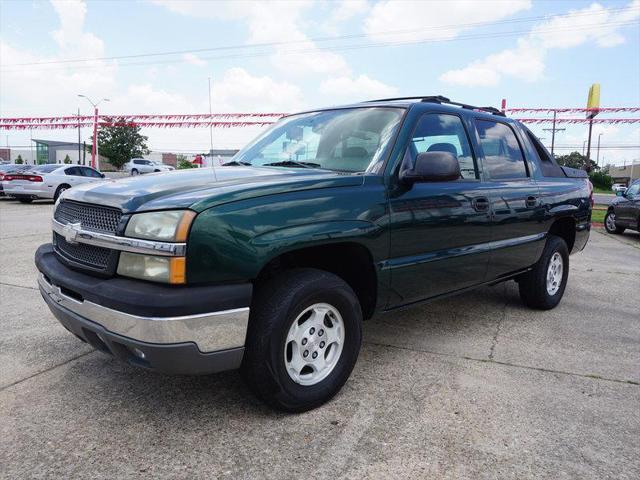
{"x": 583, "y": 144}
{"x": 598, "y": 154}
{"x": 79, "y": 159}
{"x": 553, "y": 131}
{"x": 215, "y": 176}
{"x": 95, "y": 155}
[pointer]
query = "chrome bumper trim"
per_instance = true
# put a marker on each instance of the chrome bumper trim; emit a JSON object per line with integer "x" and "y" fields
{"x": 73, "y": 233}
{"x": 209, "y": 331}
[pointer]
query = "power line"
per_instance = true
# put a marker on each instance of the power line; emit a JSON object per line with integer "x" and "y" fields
{"x": 321, "y": 39}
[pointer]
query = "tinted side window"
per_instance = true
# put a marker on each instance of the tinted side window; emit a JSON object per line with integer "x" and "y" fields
{"x": 443, "y": 133}
{"x": 502, "y": 153}
{"x": 73, "y": 171}
{"x": 548, "y": 165}
{"x": 90, "y": 172}
{"x": 138, "y": 162}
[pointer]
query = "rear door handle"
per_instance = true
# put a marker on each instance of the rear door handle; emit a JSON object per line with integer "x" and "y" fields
{"x": 532, "y": 201}
{"x": 480, "y": 204}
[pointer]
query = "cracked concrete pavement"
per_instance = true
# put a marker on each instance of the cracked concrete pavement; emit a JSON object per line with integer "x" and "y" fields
{"x": 475, "y": 386}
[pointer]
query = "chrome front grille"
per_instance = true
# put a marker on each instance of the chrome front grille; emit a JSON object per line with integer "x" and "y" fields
{"x": 96, "y": 218}
{"x": 91, "y": 217}
{"x": 87, "y": 255}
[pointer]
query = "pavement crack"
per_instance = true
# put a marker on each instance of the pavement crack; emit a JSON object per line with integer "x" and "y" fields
{"x": 18, "y": 286}
{"x": 506, "y": 364}
{"x": 46, "y": 370}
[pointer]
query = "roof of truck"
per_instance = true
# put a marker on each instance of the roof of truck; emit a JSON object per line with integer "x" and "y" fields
{"x": 443, "y": 104}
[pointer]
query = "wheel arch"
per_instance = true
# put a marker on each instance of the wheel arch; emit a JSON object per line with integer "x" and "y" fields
{"x": 565, "y": 228}
{"x": 352, "y": 261}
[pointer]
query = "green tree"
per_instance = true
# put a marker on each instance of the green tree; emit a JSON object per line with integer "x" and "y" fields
{"x": 577, "y": 160}
{"x": 184, "y": 163}
{"x": 67, "y": 160}
{"x": 19, "y": 160}
{"x": 601, "y": 180}
{"x": 121, "y": 141}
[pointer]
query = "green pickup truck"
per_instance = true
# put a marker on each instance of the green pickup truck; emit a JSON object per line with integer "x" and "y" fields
{"x": 271, "y": 262}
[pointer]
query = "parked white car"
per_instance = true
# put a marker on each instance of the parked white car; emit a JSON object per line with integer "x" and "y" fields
{"x": 47, "y": 181}
{"x": 137, "y": 166}
{"x": 618, "y": 187}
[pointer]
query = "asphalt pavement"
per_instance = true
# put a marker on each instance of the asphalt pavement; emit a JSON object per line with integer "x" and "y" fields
{"x": 603, "y": 198}
{"x": 471, "y": 387}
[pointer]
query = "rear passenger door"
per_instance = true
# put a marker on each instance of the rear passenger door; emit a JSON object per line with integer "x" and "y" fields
{"x": 514, "y": 198}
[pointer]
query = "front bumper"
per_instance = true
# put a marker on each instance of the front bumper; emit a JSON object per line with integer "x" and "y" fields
{"x": 191, "y": 330}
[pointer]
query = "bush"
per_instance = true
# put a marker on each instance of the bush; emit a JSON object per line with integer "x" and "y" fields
{"x": 184, "y": 163}
{"x": 19, "y": 160}
{"x": 601, "y": 180}
{"x": 67, "y": 160}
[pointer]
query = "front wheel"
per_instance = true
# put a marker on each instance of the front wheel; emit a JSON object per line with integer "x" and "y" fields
{"x": 303, "y": 339}
{"x": 543, "y": 287}
{"x": 610, "y": 223}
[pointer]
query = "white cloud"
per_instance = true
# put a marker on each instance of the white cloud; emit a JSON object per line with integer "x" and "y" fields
{"x": 347, "y": 89}
{"x": 347, "y": 9}
{"x": 271, "y": 22}
{"x": 594, "y": 23}
{"x": 193, "y": 59}
{"x": 434, "y": 20}
{"x": 526, "y": 62}
{"x": 71, "y": 38}
{"x": 238, "y": 90}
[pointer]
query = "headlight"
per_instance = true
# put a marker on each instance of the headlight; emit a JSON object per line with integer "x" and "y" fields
{"x": 153, "y": 268}
{"x": 169, "y": 226}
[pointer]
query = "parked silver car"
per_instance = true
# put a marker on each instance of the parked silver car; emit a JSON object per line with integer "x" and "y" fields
{"x": 47, "y": 181}
{"x": 137, "y": 166}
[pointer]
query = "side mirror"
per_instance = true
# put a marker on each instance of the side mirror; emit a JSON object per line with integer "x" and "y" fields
{"x": 432, "y": 167}
{"x": 619, "y": 193}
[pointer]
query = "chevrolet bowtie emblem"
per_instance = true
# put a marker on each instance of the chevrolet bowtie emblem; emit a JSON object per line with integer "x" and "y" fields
{"x": 71, "y": 231}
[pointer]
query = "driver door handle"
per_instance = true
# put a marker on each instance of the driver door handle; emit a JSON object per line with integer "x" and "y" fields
{"x": 480, "y": 204}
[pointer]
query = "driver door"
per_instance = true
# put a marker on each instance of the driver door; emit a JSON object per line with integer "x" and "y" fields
{"x": 439, "y": 230}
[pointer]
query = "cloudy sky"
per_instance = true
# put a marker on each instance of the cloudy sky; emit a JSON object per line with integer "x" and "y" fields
{"x": 155, "y": 56}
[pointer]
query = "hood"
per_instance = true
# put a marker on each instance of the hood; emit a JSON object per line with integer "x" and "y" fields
{"x": 200, "y": 188}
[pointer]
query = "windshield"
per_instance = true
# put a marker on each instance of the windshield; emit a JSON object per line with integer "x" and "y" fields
{"x": 348, "y": 140}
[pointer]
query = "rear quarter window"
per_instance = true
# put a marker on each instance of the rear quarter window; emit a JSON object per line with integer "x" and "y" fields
{"x": 503, "y": 156}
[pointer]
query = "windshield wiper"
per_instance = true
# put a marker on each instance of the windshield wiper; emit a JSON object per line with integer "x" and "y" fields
{"x": 235, "y": 163}
{"x": 292, "y": 163}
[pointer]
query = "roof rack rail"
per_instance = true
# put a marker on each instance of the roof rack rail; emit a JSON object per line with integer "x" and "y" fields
{"x": 441, "y": 99}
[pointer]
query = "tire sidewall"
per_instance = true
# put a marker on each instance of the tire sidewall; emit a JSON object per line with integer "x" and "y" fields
{"x": 348, "y": 356}
{"x": 606, "y": 226}
{"x": 277, "y": 307}
{"x": 557, "y": 245}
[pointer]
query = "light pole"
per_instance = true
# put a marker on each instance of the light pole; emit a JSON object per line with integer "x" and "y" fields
{"x": 598, "y": 154}
{"x": 94, "y": 147}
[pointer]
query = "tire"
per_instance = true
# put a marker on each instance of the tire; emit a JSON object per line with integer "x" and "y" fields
{"x": 59, "y": 190}
{"x": 25, "y": 200}
{"x": 134, "y": 172}
{"x": 535, "y": 290}
{"x": 270, "y": 349}
{"x": 610, "y": 223}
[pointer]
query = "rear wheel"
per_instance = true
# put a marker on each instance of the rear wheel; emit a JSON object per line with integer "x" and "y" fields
{"x": 59, "y": 191}
{"x": 303, "y": 340}
{"x": 610, "y": 223}
{"x": 543, "y": 287}
{"x": 134, "y": 172}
